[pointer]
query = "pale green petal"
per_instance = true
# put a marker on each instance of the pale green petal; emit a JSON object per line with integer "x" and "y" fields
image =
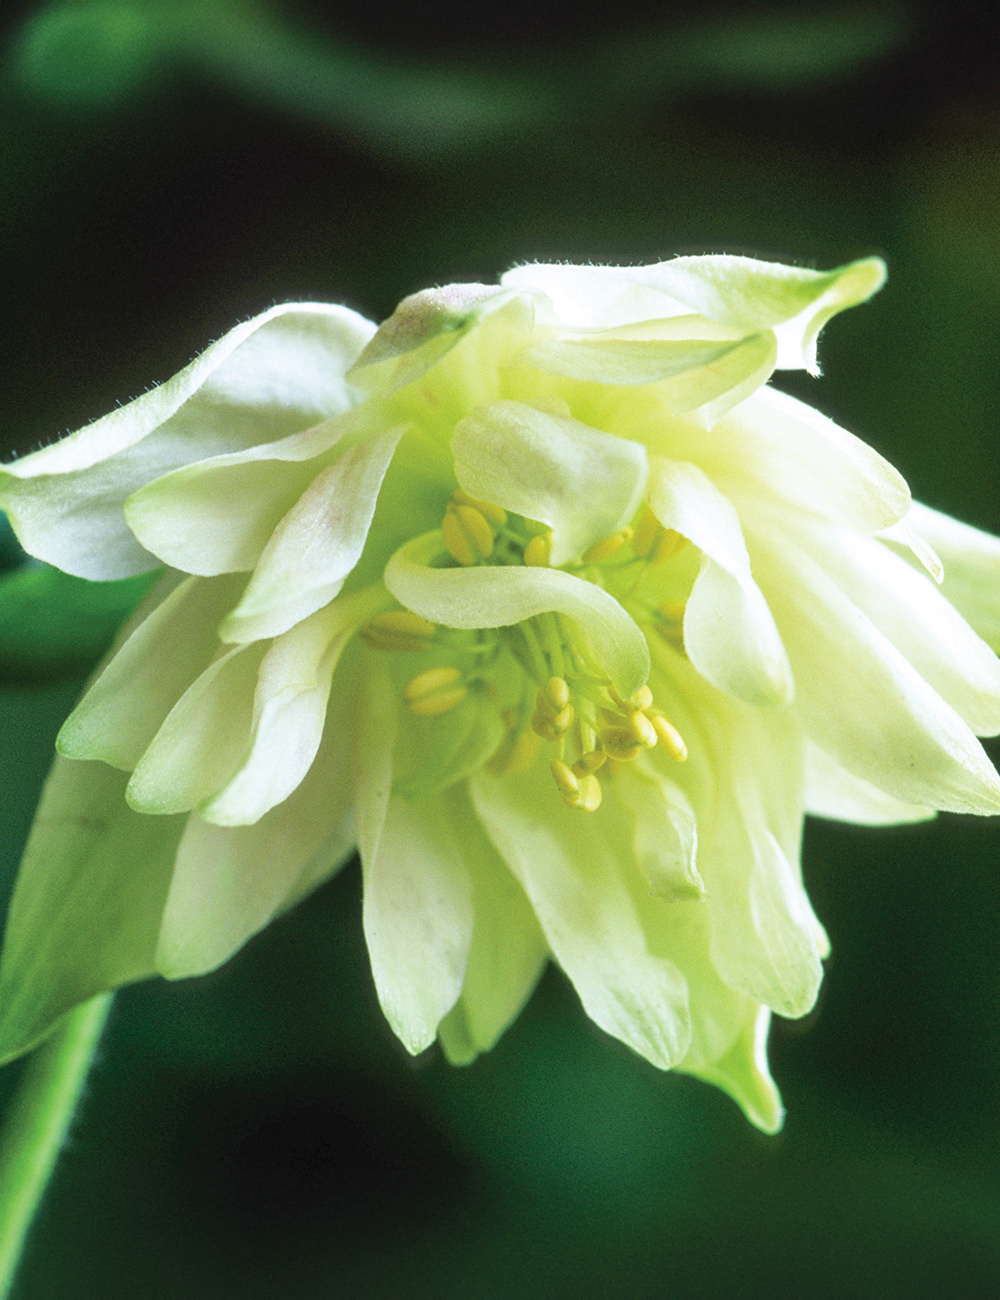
{"x": 375, "y": 726}
{"x": 743, "y": 1072}
{"x": 794, "y": 301}
{"x": 665, "y": 833}
{"x": 508, "y": 951}
{"x": 125, "y": 707}
{"x": 87, "y": 904}
{"x": 583, "y": 483}
{"x": 270, "y": 377}
{"x": 418, "y": 917}
{"x": 575, "y": 871}
{"x": 591, "y": 297}
{"x": 833, "y": 792}
{"x": 230, "y": 882}
{"x": 862, "y": 702}
{"x": 434, "y": 753}
{"x": 316, "y": 545}
{"x": 216, "y": 516}
{"x": 203, "y": 739}
{"x": 289, "y": 709}
{"x": 498, "y": 596}
{"x": 903, "y": 535}
{"x": 777, "y": 449}
{"x": 729, "y": 633}
{"x": 971, "y": 560}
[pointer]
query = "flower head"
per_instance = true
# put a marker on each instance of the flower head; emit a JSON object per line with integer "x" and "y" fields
{"x": 540, "y": 596}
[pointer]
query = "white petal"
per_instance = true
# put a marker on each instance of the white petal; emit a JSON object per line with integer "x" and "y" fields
{"x": 289, "y": 709}
{"x": 971, "y": 560}
{"x": 591, "y": 296}
{"x": 729, "y": 633}
{"x": 316, "y": 545}
{"x": 575, "y": 875}
{"x": 230, "y": 882}
{"x": 125, "y": 707}
{"x": 583, "y": 483}
{"x": 862, "y": 702}
{"x": 215, "y": 516}
{"x": 417, "y": 917}
{"x": 833, "y": 792}
{"x": 498, "y": 596}
{"x": 270, "y": 377}
{"x": 665, "y": 833}
{"x": 203, "y": 739}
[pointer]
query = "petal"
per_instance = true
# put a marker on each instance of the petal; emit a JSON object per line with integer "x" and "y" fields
{"x": 87, "y": 904}
{"x": 729, "y": 633}
{"x": 316, "y": 545}
{"x": 833, "y": 792}
{"x": 215, "y": 516}
{"x": 743, "y": 1072}
{"x": 434, "y": 753}
{"x": 774, "y": 448}
{"x": 583, "y": 483}
{"x": 664, "y": 835}
{"x": 498, "y": 596}
{"x": 508, "y": 951}
{"x": 203, "y": 739}
{"x": 230, "y": 882}
{"x": 270, "y": 377}
{"x": 863, "y": 703}
{"x": 418, "y": 917}
{"x": 971, "y": 560}
{"x": 576, "y": 875}
{"x": 125, "y": 707}
{"x": 584, "y": 297}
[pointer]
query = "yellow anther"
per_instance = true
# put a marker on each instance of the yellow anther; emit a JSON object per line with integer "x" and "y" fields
{"x": 602, "y": 550}
{"x": 564, "y": 777}
{"x": 669, "y": 737}
{"x": 671, "y": 623}
{"x": 435, "y": 691}
{"x": 667, "y": 544}
{"x": 538, "y": 550}
{"x": 467, "y": 534}
{"x": 645, "y": 534}
{"x": 495, "y": 514}
{"x": 620, "y": 743}
{"x": 640, "y": 699}
{"x": 588, "y": 764}
{"x": 587, "y": 797}
{"x": 557, "y": 692}
{"x": 642, "y": 729}
{"x": 398, "y": 629}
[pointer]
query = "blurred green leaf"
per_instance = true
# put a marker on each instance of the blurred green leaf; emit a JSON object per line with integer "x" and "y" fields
{"x": 53, "y": 625}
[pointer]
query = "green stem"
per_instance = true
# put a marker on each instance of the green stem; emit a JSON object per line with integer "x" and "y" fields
{"x": 36, "y": 1123}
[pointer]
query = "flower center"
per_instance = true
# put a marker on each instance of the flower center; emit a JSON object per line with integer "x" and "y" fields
{"x": 538, "y": 674}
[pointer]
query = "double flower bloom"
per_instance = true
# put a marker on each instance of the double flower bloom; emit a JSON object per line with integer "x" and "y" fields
{"x": 541, "y": 597}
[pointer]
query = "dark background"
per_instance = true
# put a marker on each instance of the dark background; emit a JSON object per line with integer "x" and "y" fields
{"x": 167, "y": 168}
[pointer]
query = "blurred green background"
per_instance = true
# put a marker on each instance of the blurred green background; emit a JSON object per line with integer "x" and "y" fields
{"x": 171, "y": 166}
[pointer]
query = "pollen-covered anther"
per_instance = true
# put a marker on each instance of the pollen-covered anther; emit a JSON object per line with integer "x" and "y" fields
{"x": 495, "y": 514}
{"x": 591, "y": 762}
{"x": 654, "y": 543}
{"x": 620, "y": 743}
{"x": 467, "y": 534}
{"x": 603, "y": 550}
{"x": 436, "y": 691}
{"x": 588, "y": 796}
{"x": 565, "y": 778}
{"x": 538, "y": 550}
{"x": 668, "y": 736}
{"x": 398, "y": 629}
{"x": 641, "y": 728}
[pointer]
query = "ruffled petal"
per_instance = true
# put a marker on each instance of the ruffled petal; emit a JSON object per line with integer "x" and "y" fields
{"x": 576, "y": 876}
{"x": 583, "y": 483}
{"x": 418, "y": 917}
{"x": 971, "y": 560}
{"x": 216, "y": 516}
{"x": 831, "y": 791}
{"x": 229, "y": 882}
{"x": 290, "y": 708}
{"x": 498, "y": 596}
{"x": 316, "y": 545}
{"x": 87, "y": 904}
{"x": 173, "y": 645}
{"x": 729, "y": 633}
{"x": 270, "y": 377}
{"x": 863, "y": 703}
{"x": 508, "y": 951}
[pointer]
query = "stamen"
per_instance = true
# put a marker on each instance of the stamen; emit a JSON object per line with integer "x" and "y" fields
{"x": 620, "y": 743}
{"x": 588, "y": 796}
{"x": 645, "y": 534}
{"x": 589, "y": 763}
{"x": 670, "y": 623}
{"x": 668, "y": 544}
{"x": 467, "y": 534}
{"x": 602, "y": 550}
{"x": 517, "y": 752}
{"x": 641, "y": 728}
{"x": 668, "y": 736}
{"x": 436, "y": 691}
{"x": 564, "y": 777}
{"x": 398, "y": 629}
{"x": 495, "y": 514}
{"x": 538, "y": 550}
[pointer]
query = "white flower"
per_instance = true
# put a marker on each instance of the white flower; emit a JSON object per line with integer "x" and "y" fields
{"x": 544, "y": 599}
